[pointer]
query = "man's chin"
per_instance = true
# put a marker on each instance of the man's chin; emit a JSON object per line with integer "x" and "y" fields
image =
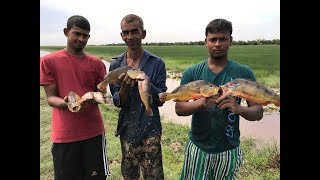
{"x": 79, "y": 47}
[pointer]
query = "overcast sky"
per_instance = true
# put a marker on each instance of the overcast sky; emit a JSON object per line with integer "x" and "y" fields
{"x": 164, "y": 20}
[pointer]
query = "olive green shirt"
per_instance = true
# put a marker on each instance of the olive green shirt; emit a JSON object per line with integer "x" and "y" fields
{"x": 214, "y": 130}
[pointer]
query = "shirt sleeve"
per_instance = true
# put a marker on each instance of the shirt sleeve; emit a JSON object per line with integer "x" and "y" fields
{"x": 159, "y": 84}
{"x": 187, "y": 75}
{"x": 47, "y": 75}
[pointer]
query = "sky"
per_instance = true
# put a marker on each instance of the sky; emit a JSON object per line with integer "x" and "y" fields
{"x": 164, "y": 20}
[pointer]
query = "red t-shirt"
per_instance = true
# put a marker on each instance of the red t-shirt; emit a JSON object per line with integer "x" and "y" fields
{"x": 78, "y": 74}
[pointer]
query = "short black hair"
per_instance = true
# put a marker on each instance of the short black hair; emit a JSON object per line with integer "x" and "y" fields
{"x": 131, "y": 18}
{"x": 78, "y": 21}
{"x": 219, "y": 25}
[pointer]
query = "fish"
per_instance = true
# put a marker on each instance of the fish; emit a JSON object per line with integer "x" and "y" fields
{"x": 96, "y": 96}
{"x": 144, "y": 87}
{"x": 251, "y": 90}
{"x": 192, "y": 90}
{"x": 112, "y": 77}
{"x": 73, "y": 102}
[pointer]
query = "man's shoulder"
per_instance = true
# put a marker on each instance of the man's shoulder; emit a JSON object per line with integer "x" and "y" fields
{"x": 92, "y": 57}
{"x": 198, "y": 65}
{"x": 54, "y": 55}
{"x": 237, "y": 64}
{"x": 152, "y": 55}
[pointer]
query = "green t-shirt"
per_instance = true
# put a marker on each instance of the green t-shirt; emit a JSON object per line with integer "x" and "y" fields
{"x": 214, "y": 130}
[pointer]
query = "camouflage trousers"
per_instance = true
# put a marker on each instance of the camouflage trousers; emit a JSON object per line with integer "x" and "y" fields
{"x": 145, "y": 156}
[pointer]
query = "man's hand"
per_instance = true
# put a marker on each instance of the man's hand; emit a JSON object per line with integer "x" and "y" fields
{"x": 228, "y": 101}
{"x": 126, "y": 81}
{"x": 87, "y": 98}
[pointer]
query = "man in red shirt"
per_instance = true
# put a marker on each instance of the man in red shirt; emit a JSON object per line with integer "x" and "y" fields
{"x": 79, "y": 144}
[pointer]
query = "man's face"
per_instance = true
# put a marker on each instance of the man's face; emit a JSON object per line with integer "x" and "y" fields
{"x": 132, "y": 34}
{"x": 218, "y": 44}
{"x": 77, "y": 37}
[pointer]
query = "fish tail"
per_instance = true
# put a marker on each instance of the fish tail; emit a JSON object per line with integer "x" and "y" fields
{"x": 164, "y": 96}
{"x": 102, "y": 87}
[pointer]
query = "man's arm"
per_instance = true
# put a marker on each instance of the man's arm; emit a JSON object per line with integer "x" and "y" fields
{"x": 188, "y": 108}
{"x": 52, "y": 98}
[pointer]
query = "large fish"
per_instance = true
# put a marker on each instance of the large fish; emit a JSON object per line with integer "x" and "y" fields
{"x": 144, "y": 87}
{"x": 251, "y": 90}
{"x": 192, "y": 90}
{"x": 112, "y": 77}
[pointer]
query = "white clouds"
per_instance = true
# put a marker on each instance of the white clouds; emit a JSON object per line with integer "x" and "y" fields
{"x": 165, "y": 20}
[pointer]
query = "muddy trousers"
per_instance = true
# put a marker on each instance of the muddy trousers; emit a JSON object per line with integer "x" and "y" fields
{"x": 145, "y": 156}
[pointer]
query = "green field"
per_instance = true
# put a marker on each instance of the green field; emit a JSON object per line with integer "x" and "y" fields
{"x": 264, "y": 60}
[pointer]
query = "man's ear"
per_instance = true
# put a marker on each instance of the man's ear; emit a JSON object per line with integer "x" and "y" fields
{"x": 231, "y": 39}
{"x": 65, "y": 31}
{"x": 205, "y": 41}
{"x": 144, "y": 32}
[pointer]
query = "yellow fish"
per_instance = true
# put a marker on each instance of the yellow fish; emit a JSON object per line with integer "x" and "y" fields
{"x": 112, "y": 77}
{"x": 192, "y": 90}
{"x": 144, "y": 87}
{"x": 251, "y": 90}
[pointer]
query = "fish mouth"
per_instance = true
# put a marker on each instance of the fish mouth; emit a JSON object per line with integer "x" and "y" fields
{"x": 76, "y": 108}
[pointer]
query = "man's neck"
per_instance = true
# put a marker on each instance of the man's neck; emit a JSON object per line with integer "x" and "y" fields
{"x": 217, "y": 65}
{"x": 134, "y": 57}
{"x": 74, "y": 52}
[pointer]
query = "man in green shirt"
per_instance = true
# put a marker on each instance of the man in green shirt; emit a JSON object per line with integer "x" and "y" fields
{"x": 213, "y": 151}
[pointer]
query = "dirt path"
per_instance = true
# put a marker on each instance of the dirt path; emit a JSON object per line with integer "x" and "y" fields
{"x": 267, "y": 129}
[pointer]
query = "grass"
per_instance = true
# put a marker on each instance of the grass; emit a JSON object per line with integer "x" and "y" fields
{"x": 262, "y": 160}
{"x": 264, "y": 60}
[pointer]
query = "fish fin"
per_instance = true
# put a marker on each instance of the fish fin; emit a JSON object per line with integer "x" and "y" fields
{"x": 178, "y": 88}
{"x": 151, "y": 98}
{"x": 277, "y": 103}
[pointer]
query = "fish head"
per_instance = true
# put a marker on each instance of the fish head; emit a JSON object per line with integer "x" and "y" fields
{"x": 133, "y": 73}
{"x": 209, "y": 89}
{"x": 229, "y": 87}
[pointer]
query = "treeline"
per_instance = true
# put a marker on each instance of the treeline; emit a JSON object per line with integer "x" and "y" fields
{"x": 252, "y": 42}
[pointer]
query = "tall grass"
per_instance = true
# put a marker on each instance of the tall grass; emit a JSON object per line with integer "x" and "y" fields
{"x": 262, "y": 160}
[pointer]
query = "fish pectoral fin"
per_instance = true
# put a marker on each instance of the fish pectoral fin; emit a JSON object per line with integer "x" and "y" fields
{"x": 151, "y": 98}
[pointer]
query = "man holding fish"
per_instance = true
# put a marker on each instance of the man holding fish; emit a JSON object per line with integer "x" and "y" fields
{"x": 78, "y": 135}
{"x": 139, "y": 124}
{"x": 213, "y": 151}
